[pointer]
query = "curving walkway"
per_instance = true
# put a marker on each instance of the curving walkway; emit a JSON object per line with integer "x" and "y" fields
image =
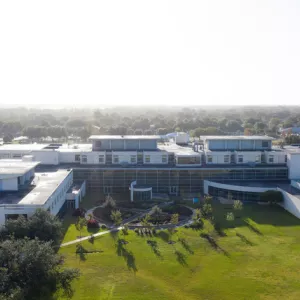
{"x": 90, "y": 211}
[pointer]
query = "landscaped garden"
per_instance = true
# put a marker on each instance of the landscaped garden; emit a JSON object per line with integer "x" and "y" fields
{"x": 251, "y": 252}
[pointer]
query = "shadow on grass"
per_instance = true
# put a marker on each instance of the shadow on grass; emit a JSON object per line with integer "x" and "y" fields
{"x": 81, "y": 251}
{"x": 154, "y": 248}
{"x": 214, "y": 244}
{"x": 164, "y": 235}
{"x": 244, "y": 239}
{"x": 114, "y": 234}
{"x": 126, "y": 254}
{"x": 252, "y": 227}
{"x": 186, "y": 246}
{"x": 219, "y": 230}
{"x": 181, "y": 258}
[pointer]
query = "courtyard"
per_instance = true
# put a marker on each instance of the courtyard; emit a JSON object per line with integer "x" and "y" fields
{"x": 254, "y": 256}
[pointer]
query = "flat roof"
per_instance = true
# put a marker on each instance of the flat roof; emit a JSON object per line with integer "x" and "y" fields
{"x": 10, "y": 168}
{"x": 178, "y": 150}
{"x": 22, "y": 147}
{"x": 237, "y": 137}
{"x": 124, "y": 137}
{"x": 45, "y": 185}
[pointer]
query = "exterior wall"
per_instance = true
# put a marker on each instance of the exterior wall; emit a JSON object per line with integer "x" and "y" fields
{"x": 242, "y": 144}
{"x": 57, "y": 199}
{"x": 293, "y": 163}
{"x": 148, "y": 144}
{"x": 10, "y": 184}
{"x": 155, "y": 157}
{"x": 92, "y": 158}
{"x": 46, "y": 157}
{"x": 291, "y": 203}
{"x": 117, "y": 144}
{"x": 132, "y": 144}
{"x": 248, "y": 157}
{"x": 278, "y": 157}
{"x": 16, "y": 154}
{"x": 124, "y": 157}
{"x": 123, "y": 144}
{"x": 68, "y": 157}
{"x": 217, "y": 157}
{"x": 191, "y": 160}
{"x": 231, "y": 187}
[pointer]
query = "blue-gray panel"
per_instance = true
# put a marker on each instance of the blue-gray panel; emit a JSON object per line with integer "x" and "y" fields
{"x": 233, "y": 144}
{"x": 247, "y": 144}
{"x": 148, "y": 144}
{"x": 261, "y": 144}
{"x": 117, "y": 144}
{"x": 132, "y": 144}
{"x": 101, "y": 145}
{"x": 217, "y": 145}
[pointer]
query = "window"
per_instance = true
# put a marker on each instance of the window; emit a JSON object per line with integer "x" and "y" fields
{"x": 226, "y": 158}
{"x": 77, "y": 157}
{"x": 240, "y": 159}
{"x": 209, "y": 159}
{"x": 107, "y": 189}
{"x": 147, "y": 158}
{"x": 265, "y": 144}
{"x": 17, "y": 155}
{"x": 164, "y": 159}
{"x": 285, "y": 158}
{"x": 116, "y": 159}
{"x": 271, "y": 158}
{"x": 83, "y": 158}
{"x": 173, "y": 190}
{"x": 101, "y": 159}
{"x": 133, "y": 159}
{"x": 257, "y": 158}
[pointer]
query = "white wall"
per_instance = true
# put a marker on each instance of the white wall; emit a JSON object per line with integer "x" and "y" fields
{"x": 155, "y": 157}
{"x": 291, "y": 203}
{"x": 293, "y": 163}
{"x": 67, "y": 157}
{"x": 239, "y": 188}
{"x": 217, "y": 157}
{"x": 124, "y": 156}
{"x": 92, "y": 157}
{"x": 279, "y": 157}
{"x": 248, "y": 156}
{"x": 10, "y": 184}
{"x": 46, "y": 157}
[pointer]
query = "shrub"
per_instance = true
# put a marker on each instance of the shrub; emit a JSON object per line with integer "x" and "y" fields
{"x": 92, "y": 224}
{"x": 136, "y": 230}
{"x": 79, "y": 212}
{"x": 271, "y": 197}
{"x": 103, "y": 226}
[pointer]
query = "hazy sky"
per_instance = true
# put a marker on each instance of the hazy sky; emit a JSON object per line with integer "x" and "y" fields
{"x": 60, "y": 53}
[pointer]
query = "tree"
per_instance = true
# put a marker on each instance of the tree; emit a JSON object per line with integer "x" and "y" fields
{"x": 109, "y": 203}
{"x": 156, "y": 212}
{"x": 30, "y": 269}
{"x": 81, "y": 222}
{"x": 41, "y": 225}
{"x": 230, "y": 216}
{"x": 207, "y": 209}
{"x": 138, "y": 132}
{"x": 237, "y": 205}
{"x": 208, "y": 199}
{"x": 146, "y": 220}
{"x": 233, "y": 126}
{"x": 116, "y": 217}
{"x": 271, "y": 197}
{"x": 8, "y": 138}
{"x": 174, "y": 219}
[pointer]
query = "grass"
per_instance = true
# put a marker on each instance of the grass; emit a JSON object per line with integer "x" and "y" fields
{"x": 254, "y": 260}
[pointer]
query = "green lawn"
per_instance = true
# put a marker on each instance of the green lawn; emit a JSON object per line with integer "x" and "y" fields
{"x": 259, "y": 260}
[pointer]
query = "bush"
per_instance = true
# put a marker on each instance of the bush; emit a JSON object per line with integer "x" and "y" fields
{"x": 271, "y": 197}
{"x": 103, "y": 226}
{"x": 136, "y": 230}
{"x": 92, "y": 224}
{"x": 79, "y": 212}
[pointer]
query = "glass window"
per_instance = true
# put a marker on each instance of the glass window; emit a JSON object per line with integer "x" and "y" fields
{"x": 77, "y": 157}
{"x": 240, "y": 158}
{"x": 271, "y": 158}
{"x": 133, "y": 159}
{"x": 84, "y": 158}
{"x": 101, "y": 159}
{"x": 226, "y": 158}
{"x": 209, "y": 158}
{"x": 164, "y": 159}
{"x": 265, "y": 144}
{"x": 116, "y": 159}
{"x": 147, "y": 158}
{"x": 257, "y": 158}
{"x": 285, "y": 158}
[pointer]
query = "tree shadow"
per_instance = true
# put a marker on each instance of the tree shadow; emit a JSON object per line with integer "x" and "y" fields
{"x": 126, "y": 254}
{"x": 214, "y": 244}
{"x": 154, "y": 248}
{"x": 164, "y": 235}
{"x": 186, "y": 246}
{"x": 252, "y": 227}
{"x": 114, "y": 234}
{"x": 244, "y": 239}
{"x": 219, "y": 230}
{"x": 181, "y": 258}
{"x": 81, "y": 251}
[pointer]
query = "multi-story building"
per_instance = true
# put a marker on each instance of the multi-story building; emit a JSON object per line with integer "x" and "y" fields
{"x": 141, "y": 166}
